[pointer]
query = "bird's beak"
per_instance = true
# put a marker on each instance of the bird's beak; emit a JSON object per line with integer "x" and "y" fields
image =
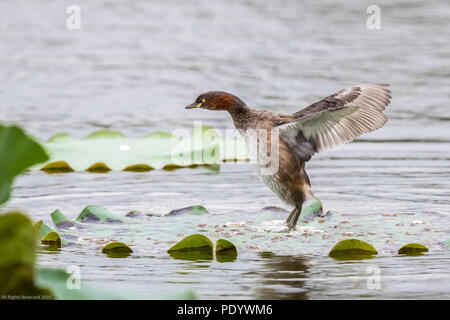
{"x": 193, "y": 105}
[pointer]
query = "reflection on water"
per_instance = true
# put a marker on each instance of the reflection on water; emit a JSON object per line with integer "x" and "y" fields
{"x": 282, "y": 277}
{"x": 197, "y": 255}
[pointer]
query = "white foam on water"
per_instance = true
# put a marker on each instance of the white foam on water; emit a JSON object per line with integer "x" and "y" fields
{"x": 280, "y": 226}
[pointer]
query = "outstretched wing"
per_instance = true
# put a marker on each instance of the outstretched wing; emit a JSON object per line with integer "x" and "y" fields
{"x": 336, "y": 119}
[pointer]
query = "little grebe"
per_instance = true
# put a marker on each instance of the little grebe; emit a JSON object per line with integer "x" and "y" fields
{"x": 334, "y": 120}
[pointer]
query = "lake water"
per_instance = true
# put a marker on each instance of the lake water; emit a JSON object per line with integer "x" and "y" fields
{"x": 133, "y": 66}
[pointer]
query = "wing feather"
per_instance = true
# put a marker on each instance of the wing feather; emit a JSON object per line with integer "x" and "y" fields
{"x": 337, "y": 119}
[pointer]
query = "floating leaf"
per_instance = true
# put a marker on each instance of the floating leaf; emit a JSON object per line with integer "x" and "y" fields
{"x": 108, "y": 149}
{"x": 134, "y": 214}
{"x": 224, "y": 245}
{"x": 61, "y": 221}
{"x": 311, "y": 209}
{"x": 274, "y": 209}
{"x": 59, "y": 280}
{"x": 190, "y": 210}
{"x": 43, "y": 229}
{"x": 139, "y": 168}
{"x": 17, "y": 252}
{"x": 105, "y": 134}
{"x": 413, "y": 249}
{"x": 447, "y": 243}
{"x": 94, "y": 213}
{"x": 52, "y": 238}
{"x": 99, "y": 167}
{"x": 18, "y": 152}
{"x": 57, "y": 167}
{"x": 38, "y": 225}
{"x": 117, "y": 250}
{"x": 193, "y": 247}
{"x": 193, "y": 242}
{"x": 225, "y": 251}
{"x": 352, "y": 249}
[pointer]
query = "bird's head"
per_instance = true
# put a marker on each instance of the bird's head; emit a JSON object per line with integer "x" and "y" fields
{"x": 217, "y": 100}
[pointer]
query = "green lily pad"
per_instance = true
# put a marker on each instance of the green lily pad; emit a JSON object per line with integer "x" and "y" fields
{"x": 61, "y": 221}
{"x": 37, "y": 226}
{"x": 275, "y": 209}
{"x": 63, "y": 136}
{"x": 99, "y": 167}
{"x": 225, "y": 251}
{"x": 190, "y": 210}
{"x": 134, "y": 214}
{"x": 224, "y": 245}
{"x": 17, "y": 252}
{"x": 18, "y": 152}
{"x": 56, "y": 280}
{"x": 311, "y": 209}
{"x": 94, "y": 213}
{"x": 193, "y": 242}
{"x": 139, "y": 168}
{"x": 57, "y": 167}
{"x": 49, "y": 236}
{"x": 117, "y": 250}
{"x": 447, "y": 243}
{"x": 413, "y": 249}
{"x": 352, "y": 249}
{"x": 109, "y": 150}
{"x": 52, "y": 238}
{"x": 194, "y": 247}
{"x": 43, "y": 229}
{"x": 105, "y": 134}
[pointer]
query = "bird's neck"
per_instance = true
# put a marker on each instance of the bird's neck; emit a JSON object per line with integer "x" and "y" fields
{"x": 241, "y": 116}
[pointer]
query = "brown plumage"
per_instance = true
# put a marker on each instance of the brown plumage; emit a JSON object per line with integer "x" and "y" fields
{"x": 334, "y": 120}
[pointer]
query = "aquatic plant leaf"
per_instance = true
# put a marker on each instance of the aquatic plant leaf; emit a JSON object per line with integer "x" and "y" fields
{"x": 195, "y": 242}
{"x": 61, "y": 221}
{"x": 413, "y": 249}
{"x": 93, "y": 213}
{"x": 99, "y": 167}
{"x": 139, "y": 168}
{"x": 109, "y": 150}
{"x": 116, "y": 247}
{"x": 224, "y": 245}
{"x": 225, "y": 251}
{"x": 311, "y": 209}
{"x": 18, "y": 152}
{"x": 17, "y": 252}
{"x": 117, "y": 250}
{"x": 197, "y": 209}
{"x": 43, "y": 229}
{"x": 352, "y": 249}
{"x": 105, "y": 134}
{"x": 52, "y": 238}
{"x": 38, "y": 225}
{"x": 57, "y": 281}
{"x": 447, "y": 243}
{"x": 134, "y": 214}
{"x": 57, "y": 167}
{"x": 195, "y": 247}
{"x": 63, "y": 136}
{"x": 275, "y": 210}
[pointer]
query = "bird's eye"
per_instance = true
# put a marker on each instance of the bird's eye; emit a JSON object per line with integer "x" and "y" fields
{"x": 203, "y": 100}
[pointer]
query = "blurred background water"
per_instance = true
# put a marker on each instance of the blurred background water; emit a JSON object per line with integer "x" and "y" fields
{"x": 132, "y": 67}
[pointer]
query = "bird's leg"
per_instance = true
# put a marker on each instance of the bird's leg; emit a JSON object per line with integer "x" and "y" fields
{"x": 291, "y": 215}
{"x": 293, "y": 218}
